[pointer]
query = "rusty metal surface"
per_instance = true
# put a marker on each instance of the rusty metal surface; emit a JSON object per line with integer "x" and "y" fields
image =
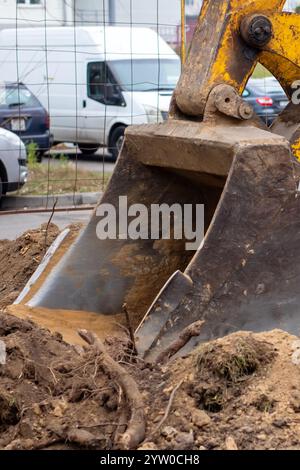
{"x": 218, "y": 53}
{"x": 247, "y": 274}
{"x": 99, "y": 276}
{"x": 230, "y": 39}
{"x": 164, "y": 304}
{"x": 287, "y": 125}
{"x": 281, "y": 54}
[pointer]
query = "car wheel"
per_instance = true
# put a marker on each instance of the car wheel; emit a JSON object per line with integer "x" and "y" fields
{"x": 88, "y": 149}
{"x": 39, "y": 156}
{"x": 116, "y": 141}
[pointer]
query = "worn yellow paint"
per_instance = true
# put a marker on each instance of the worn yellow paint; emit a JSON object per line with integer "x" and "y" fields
{"x": 238, "y": 11}
{"x": 296, "y": 149}
{"x": 222, "y": 50}
{"x": 205, "y": 5}
{"x": 281, "y": 56}
{"x": 259, "y": 6}
{"x": 183, "y": 33}
{"x": 285, "y": 41}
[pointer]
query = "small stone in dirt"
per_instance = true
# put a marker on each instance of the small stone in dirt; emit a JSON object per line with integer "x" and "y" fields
{"x": 247, "y": 430}
{"x": 260, "y": 289}
{"x": 60, "y": 408}
{"x": 2, "y": 353}
{"x": 230, "y": 444}
{"x": 202, "y": 448}
{"x": 169, "y": 433}
{"x": 183, "y": 441}
{"x": 148, "y": 446}
{"x": 280, "y": 423}
{"x": 25, "y": 429}
{"x": 211, "y": 444}
{"x": 9, "y": 409}
{"x": 36, "y": 409}
{"x": 200, "y": 419}
{"x": 295, "y": 402}
{"x": 262, "y": 437}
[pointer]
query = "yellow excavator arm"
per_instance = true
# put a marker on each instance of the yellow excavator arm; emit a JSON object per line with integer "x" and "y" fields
{"x": 219, "y": 52}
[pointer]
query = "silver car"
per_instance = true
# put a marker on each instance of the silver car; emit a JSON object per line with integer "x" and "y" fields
{"x": 13, "y": 162}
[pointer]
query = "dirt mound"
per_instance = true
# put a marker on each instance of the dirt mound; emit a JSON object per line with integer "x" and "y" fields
{"x": 238, "y": 392}
{"x": 20, "y": 258}
{"x": 52, "y": 393}
{"x": 241, "y": 392}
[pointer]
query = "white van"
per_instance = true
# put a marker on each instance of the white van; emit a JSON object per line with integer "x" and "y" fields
{"x": 94, "y": 81}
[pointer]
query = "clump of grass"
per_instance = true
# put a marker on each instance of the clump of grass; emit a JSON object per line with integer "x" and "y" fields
{"x": 32, "y": 154}
{"x": 209, "y": 397}
{"x": 235, "y": 360}
{"x": 60, "y": 176}
{"x": 221, "y": 366}
{"x": 264, "y": 404}
{"x": 64, "y": 159}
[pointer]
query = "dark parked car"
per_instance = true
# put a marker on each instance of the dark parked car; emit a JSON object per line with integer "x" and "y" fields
{"x": 22, "y": 113}
{"x": 267, "y": 98}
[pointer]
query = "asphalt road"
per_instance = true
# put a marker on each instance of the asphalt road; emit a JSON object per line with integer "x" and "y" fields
{"x": 12, "y": 226}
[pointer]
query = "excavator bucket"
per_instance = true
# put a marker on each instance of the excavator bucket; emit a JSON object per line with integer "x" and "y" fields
{"x": 246, "y": 274}
{"x": 212, "y": 151}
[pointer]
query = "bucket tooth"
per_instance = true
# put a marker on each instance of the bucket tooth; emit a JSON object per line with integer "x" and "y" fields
{"x": 165, "y": 303}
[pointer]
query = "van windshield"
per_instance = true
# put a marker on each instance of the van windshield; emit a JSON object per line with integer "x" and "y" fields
{"x": 146, "y": 74}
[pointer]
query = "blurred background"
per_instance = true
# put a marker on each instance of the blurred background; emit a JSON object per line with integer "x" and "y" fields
{"x": 75, "y": 74}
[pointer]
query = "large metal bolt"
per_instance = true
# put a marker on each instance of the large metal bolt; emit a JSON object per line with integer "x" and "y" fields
{"x": 256, "y": 30}
{"x": 246, "y": 111}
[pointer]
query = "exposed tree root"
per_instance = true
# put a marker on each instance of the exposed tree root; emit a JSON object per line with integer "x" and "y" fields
{"x": 130, "y": 330}
{"x": 136, "y": 428}
{"x": 189, "y": 332}
{"x": 83, "y": 438}
{"x": 30, "y": 444}
{"x": 168, "y": 409}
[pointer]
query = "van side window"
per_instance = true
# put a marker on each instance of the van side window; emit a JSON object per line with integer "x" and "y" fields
{"x": 101, "y": 85}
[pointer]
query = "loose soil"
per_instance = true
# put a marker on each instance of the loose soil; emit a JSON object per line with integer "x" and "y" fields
{"x": 238, "y": 392}
{"x": 20, "y": 258}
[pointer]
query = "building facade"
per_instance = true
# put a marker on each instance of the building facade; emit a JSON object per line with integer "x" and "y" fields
{"x": 92, "y": 12}
{"x": 34, "y": 13}
{"x": 161, "y": 15}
